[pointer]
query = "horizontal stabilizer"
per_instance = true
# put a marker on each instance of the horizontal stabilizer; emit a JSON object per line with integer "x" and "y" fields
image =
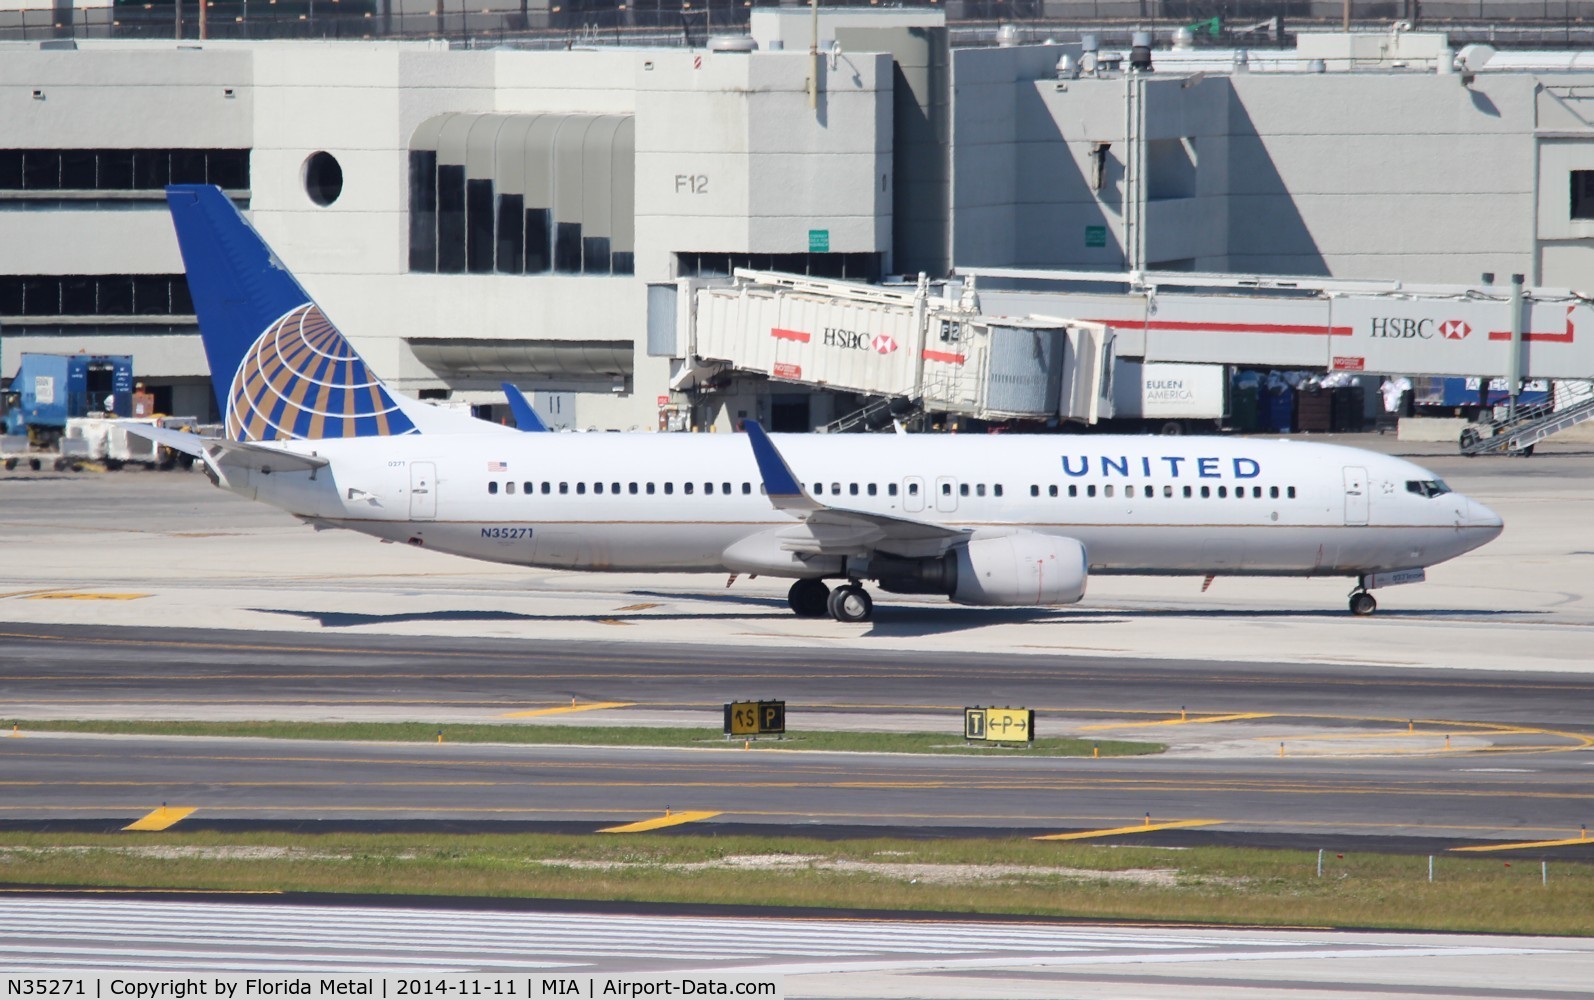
{"x": 228, "y": 454}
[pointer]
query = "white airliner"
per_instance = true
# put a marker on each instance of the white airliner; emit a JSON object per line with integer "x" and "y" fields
{"x": 1013, "y": 520}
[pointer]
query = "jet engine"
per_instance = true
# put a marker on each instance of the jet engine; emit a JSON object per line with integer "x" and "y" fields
{"x": 1024, "y": 569}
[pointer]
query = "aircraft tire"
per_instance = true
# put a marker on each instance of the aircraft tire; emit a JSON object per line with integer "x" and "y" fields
{"x": 1362, "y": 604}
{"x": 809, "y": 598}
{"x": 851, "y": 604}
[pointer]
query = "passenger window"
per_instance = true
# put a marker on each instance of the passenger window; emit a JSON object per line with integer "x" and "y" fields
{"x": 564, "y": 488}
{"x": 913, "y": 489}
{"x": 526, "y": 487}
{"x": 597, "y": 487}
{"x": 997, "y": 489}
{"x": 874, "y": 489}
{"x": 1223, "y": 491}
{"x": 1051, "y": 490}
{"x": 686, "y": 488}
{"x": 1090, "y": 490}
{"x": 1206, "y": 491}
{"x": 835, "y": 489}
{"x": 509, "y": 488}
{"x": 725, "y": 488}
{"x": 492, "y": 488}
{"x": 819, "y": 489}
{"x": 1129, "y": 491}
{"x": 946, "y": 489}
{"x": 1256, "y": 493}
{"x": 979, "y": 490}
{"x": 1073, "y": 489}
{"x": 1034, "y": 490}
{"x": 1188, "y": 492}
{"x": 547, "y": 488}
{"x": 581, "y": 488}
{"x": 747, "y": 489}
{"x": 963, "y": 489}
{"x": 708, "y": 488}
{"x": 669, "y": 489}
{"x": 1151, "y": 490}
{"x": 852, "y": 489}
{"x": 891, "y": 489}
{"x": 1273, "y": 492}
{"x": 1167, "y": 491}
{"x": 615, "y": 488}
{"x": 1106, "y": 491}
{"x": 633, "y": 489}
{"x": 649, "y": 488}
{"x": 1291, "y": 492}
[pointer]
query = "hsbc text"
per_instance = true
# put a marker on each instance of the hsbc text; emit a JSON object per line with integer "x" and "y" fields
{"x": 1402, "y": 328}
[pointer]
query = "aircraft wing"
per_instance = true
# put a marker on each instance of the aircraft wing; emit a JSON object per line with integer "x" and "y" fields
{"x": 526, "y": 416}
{"x": 237, "y": 454}
{"x": 828, "y": 530}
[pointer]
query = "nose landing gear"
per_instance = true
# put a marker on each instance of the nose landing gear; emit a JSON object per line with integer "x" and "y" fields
{"x": 1361, "y": 602}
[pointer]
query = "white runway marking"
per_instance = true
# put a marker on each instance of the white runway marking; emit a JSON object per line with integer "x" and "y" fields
{"x": 45, "y": 934}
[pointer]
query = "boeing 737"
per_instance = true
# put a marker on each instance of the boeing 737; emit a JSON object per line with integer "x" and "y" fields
{"x": 1014, "y": 520}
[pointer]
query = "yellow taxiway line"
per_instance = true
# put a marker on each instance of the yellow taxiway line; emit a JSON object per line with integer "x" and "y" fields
{"x": 590, "y": 706}
{"x": 1124, "y": 831}
{"x": 1181, "y": 722}
{"x": 161, "y": 819}
{"x": 63, "y": 595}
{"x": 660, "y": 822}
{"x": 1534, "y": 843}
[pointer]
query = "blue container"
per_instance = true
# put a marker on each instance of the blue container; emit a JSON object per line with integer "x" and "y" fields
{"x": 53, "y": 387}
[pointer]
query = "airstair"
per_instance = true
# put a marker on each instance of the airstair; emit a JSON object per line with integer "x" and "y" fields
{"x": 1571, "y": 404}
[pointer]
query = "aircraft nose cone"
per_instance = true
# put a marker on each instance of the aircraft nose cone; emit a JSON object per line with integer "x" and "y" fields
{"x": 1483, "y": 520}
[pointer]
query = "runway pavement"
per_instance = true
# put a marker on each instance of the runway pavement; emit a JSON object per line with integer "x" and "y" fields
{"x": 935, "y": 959}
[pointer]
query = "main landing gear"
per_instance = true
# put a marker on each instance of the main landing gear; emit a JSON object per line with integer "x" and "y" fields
{"x": 1361, "y": 602}
{"x": 814, "y": 599}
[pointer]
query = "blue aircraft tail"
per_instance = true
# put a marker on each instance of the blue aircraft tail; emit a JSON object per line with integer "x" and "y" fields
{"x": 279, "y": 368}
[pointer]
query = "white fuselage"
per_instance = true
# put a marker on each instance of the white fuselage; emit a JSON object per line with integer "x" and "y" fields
{"x": 658, "y": 502}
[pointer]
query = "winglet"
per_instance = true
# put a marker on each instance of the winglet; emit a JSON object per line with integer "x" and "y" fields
{"x": 526, "y": 416}
{"x": 785, "y": 492}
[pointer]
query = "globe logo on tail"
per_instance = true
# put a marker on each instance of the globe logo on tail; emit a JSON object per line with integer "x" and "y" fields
{"x": 302, "y": 380}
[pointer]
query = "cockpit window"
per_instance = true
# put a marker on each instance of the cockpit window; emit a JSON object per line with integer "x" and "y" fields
{"x": 1427, "y": 487}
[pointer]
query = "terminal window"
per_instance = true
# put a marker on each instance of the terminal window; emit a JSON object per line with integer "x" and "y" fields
{"x": 121, "y": 169}
{"x": 523, "y": 194}
{"x": 94, "y": 295}
{"x": 1583, "y": 194}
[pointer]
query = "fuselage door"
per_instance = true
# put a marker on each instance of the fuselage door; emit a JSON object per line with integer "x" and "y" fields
{"x": 946, "y": 494}
{"x": 1355, "y": 495}
{"x": 913, "y": 494}
{"x": 423, "y": 491}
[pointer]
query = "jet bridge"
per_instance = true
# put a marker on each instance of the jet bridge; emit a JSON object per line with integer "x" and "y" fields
{"x": 923, "y": 351}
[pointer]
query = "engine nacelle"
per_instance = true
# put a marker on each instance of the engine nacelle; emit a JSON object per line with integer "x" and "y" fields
{"x": 1020, "y": 570}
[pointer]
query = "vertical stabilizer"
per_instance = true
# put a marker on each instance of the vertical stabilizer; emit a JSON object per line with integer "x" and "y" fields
{"x": 279, "y": 368}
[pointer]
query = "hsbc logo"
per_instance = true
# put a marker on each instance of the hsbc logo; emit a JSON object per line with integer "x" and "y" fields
{"x": 1407, "y": 328}
{"x": 883, "y": 344}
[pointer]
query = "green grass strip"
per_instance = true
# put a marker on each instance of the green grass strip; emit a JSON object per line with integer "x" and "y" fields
{"x": 618, "y": 736}
{"x": 1006, "y": 875}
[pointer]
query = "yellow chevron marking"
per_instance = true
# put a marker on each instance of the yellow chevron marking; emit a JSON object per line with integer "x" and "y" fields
{"x": 161, "y": 818}
{"x": 1181, "y": 722}
{"x": 659, "y": 822}
{"x": 567, "y": 709}
{"x": 1534, "y": 843}
{"x": 1122, "y": 831}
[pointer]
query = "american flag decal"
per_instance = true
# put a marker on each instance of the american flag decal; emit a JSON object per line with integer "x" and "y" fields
{"x": 497, "y": 466}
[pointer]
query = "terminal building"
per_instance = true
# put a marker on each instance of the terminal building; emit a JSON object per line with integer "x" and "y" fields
{"x": 472, "y": 216}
